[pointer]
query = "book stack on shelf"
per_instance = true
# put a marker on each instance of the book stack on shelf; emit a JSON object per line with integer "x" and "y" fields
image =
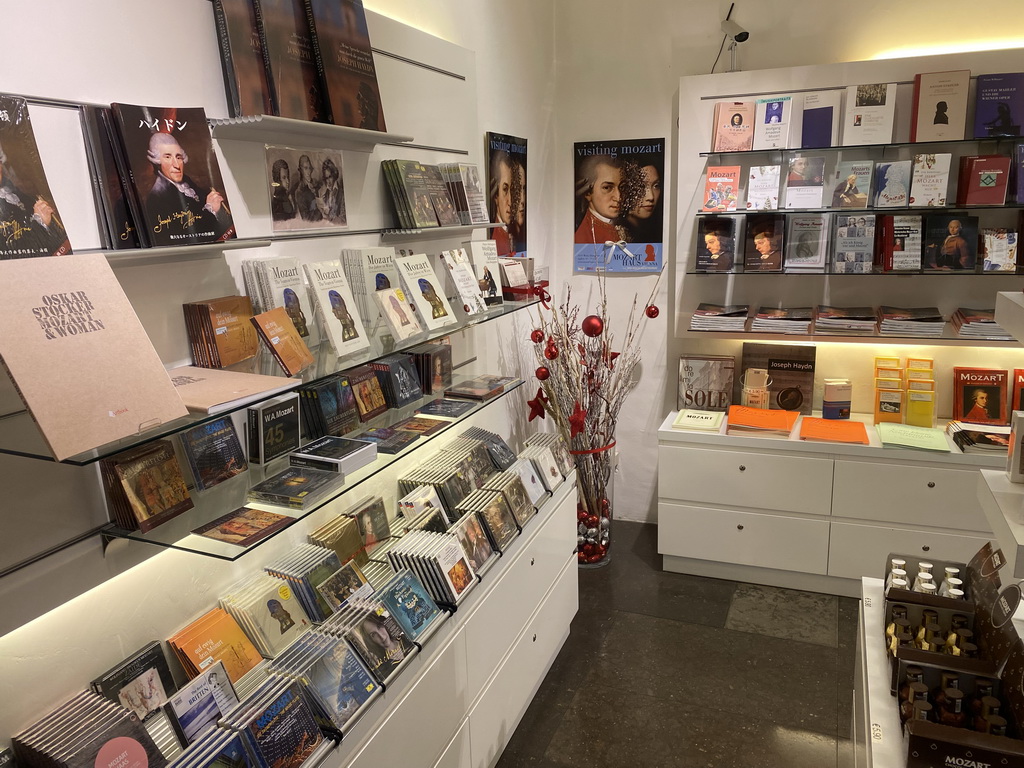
{"x": 924, "y": 322}
{"x": 782, "y": 320}
{"x": 972, "y": 438}
{"x": 333, "y": 81}
{"x": 718, "y": 317}
{"x": 844, "y": 321}
{"x": 978, "y": 324}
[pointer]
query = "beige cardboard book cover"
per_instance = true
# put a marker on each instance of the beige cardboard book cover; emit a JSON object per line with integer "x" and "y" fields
{"x": 79, "y": 355}
{"x": 213, "y": 390}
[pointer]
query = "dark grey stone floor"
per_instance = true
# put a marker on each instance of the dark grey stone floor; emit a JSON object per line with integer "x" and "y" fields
{"x": 662, "y": 669}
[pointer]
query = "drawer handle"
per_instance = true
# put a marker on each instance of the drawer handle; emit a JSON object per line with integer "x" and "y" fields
{"x": 532, "y": 560}
{"x": 743, "y": 468}
{"x": 931, "y": 484}
{"x": 739, "y": 527}
{"x": 925, "y": 548}
{"x": 535, "y": 638}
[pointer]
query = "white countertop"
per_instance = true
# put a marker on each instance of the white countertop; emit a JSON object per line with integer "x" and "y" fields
{"x": 874, "y": 450}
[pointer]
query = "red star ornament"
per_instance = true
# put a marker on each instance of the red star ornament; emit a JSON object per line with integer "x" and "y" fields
{"x": 576, "y": 420}
{"x": 537, "y": 405}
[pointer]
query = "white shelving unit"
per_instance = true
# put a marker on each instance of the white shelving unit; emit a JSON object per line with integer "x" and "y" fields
{"x": 1003, "y": 505}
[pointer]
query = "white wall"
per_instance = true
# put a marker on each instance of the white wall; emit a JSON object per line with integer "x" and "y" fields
{"x": 618, "y": 71}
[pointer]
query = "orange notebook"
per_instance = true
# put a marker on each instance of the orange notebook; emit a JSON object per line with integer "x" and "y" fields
{"x": 279, "y": 334}
{"x": 760, "y": 420}
{"x": 833, "y": 430}
{"x": 213, "y": 637}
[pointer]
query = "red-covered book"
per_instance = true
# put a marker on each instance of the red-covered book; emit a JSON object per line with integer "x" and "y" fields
{"x": 983, "y": 180}
{"x": 980, "y": 395}
{"x": 1017, "y": 399}
{"x": 721, "y": 188}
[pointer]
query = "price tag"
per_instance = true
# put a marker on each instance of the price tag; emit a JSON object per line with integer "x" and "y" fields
{"x": 867, "y": 602}
{"x": 876, "y": 732}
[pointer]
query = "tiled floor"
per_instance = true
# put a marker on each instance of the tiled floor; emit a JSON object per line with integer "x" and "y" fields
{"x": 662, "y": 669}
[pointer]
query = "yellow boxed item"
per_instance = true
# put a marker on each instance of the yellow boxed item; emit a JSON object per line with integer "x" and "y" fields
{"x": 887, "y": 362}
{"x": 888, "y": 383}
{"x": 889, "y": 405}
{"x": 920, "y": 373}
{"x": 920, "y": 362}
{"x": 920, "y": 385}
{"x": 885, "y": 372}
{"x": 921, "y": 409}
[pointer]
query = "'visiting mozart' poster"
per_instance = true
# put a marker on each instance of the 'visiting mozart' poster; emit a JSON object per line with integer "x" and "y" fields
{"x": 619, "y": 205}
{"x": 506, "y": 192}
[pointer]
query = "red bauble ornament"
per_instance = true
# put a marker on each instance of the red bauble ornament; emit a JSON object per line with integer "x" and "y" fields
{"x": 551, "y": 352}
{"x": 588, "y": 549}
{"x": 542, "y": 373}
{"x": 580, "y": 557}
{"x": 652, "y": 311}
{"x": 592, "y": 521}
{"x": 592, "y": 325}
{"x": 537, "y": 336}
{"x": 582, "y": 514}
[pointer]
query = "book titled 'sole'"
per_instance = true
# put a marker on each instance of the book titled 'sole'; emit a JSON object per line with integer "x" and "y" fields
{"x": 705, "y": 382}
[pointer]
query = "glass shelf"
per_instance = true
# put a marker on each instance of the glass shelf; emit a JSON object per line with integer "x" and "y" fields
{"x": 267, "y": 129}
{"x": 948, "y": 338}
{"x": 411, "y": 234}
{"x": 932, "y": 145}
{"x": 880, "y": 211}
{"x": 19, "y": 435}
{"x": 177, "y": 252}
{"x": 232, "y": 494}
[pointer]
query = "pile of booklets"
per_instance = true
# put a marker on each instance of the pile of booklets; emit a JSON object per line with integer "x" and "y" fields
{"x": 337, "y": 683}
{"x": 915, "y": 321}
{"x": 342, "y": 535}
{"x": 219, "y": 331}
{"x": 718, "y": 317}
{"x": 144, "y": 486}
{"x": 215, "y": 636}
{"x": 760, "y": 422}
{"x": 420, "y": 196}
{"x": 296, "y": 487}
{"x": 844, "y": 321}
{"x": 493, "y": 510}
{"x": 974, "y": 438}
{"x": 466, "y": 189}
{"x": 433, "y": 363}
{"x": 978, "y": 324}
{"x": 141, "y": 683}
{"x": 481, "y": 387}
{"x": 399, "y": 380}
{"x": 334, "y": 454}
{"x": 303, "y": 569}
{"x": 438, "y": 560}
{"x": 51, "y": 742}
{"x": 276, "y": 723}
{"x": 782, "y": 320}
{"x": 272, "y": 617}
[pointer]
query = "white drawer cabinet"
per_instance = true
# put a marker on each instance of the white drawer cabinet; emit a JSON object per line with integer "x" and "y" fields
{"x": 493, "y": 627}
{"x": 938, "y": 497}
{"x": 859, "y": 550}
{"x": 815, "y": 516}
{"x": 451, "y": 707}
{"x": 441, "y": 691}
{"x": 745, "y": 479}
{"x": 458, "y": 752}
{"x": 504, "y": 701}
{"x": 745, "y": 538}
